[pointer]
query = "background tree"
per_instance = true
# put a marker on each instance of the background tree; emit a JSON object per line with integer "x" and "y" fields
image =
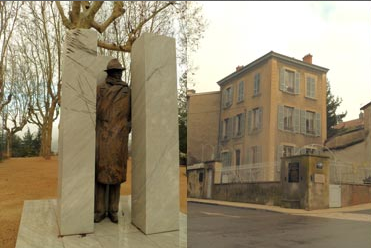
{"x": 8, "y": 17}
{"x": 40, "y": 43}
{"x": 16, "y": 112}
{"x": 182, "y": 118}
{"x": 333, "y": 119}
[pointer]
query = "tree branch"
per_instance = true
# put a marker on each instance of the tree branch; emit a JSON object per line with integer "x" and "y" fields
{"x": 93, "y": 9}
{"x": 75, "y": 12}
{"x": 115, "y": 47}
{"x": 65, "y": 20}
{"x": 117, "y": 11}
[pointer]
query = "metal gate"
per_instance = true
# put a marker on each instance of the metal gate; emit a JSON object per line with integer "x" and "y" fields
{"x": 335, "y": 196}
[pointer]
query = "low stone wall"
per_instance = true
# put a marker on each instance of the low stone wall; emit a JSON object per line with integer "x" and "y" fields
{"x": 353, "y": 194}
{"x": 268, "y": 193}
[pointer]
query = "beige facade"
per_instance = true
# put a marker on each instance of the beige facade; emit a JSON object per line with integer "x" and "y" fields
{"x": 202, "y": 126}
{"x": 270, "y": 108}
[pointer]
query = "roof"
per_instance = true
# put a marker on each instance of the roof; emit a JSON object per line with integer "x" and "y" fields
{"x": 350, "y": 124}
{"x": 366, "y": 106}
{"x": 270, "y": 55}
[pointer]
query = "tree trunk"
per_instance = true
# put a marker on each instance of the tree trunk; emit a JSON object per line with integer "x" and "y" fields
{"x": 46, "y": 139}
{"x": 9, "y": 141}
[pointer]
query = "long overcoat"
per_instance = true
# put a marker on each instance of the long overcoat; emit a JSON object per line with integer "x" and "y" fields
{"x": 113, "y": 125}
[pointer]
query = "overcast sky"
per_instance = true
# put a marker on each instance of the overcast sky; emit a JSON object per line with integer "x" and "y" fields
{"x": 337, "y": 34}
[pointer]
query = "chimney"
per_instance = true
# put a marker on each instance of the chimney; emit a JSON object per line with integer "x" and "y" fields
{"x": 361, "y": 115}
{"x": 239, "y": 67}
{"x": 190, "y": 92}
{"x": 308, "y": 58}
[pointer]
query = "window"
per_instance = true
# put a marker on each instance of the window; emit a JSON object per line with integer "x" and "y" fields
{"x": 288, "y": 118}
{"x": 288, "y": 151}
{"x": 289, "y": 81}
{"x": 226, "y": 159}
{"x": 226, "y": 129}
{"x": 256, "y": 116}
{"x": 241, "y": 86}
{"x": 257, "y": 84}
{"x": 201, "y": 177}
{"x": 238, "y": 156}
{"x": 227, "y": 97}
{"x": 256, "y": 154}
{"x": 309, "y": 122}
{"x": 239, "y": 123}
{"x": 310, "y": 87}
{"x": 255, "y": 119}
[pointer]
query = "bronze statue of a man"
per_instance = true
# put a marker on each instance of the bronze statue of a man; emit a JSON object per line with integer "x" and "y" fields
{"x": 113, "y": 125}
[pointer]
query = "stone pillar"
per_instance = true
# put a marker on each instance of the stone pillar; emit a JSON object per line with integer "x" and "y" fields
{"x": 81, "y": 69}
{"x": 155, "y": 145}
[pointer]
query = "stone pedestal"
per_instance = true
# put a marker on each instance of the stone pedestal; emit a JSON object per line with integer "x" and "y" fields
{"x": 155, "y": 145}
{"x": 81, "y": 69}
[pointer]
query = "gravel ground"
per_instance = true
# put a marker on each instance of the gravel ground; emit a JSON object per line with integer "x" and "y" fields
{"x": 34, "y": 179}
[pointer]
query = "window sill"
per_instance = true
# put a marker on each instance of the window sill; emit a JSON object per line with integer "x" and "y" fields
{"x": 290, "y": 93}
{"x": 311, "y": 98}
{"x": 257, "y": 95}
{"x": 255, "y": 131}
{"x": 240, "y": 101}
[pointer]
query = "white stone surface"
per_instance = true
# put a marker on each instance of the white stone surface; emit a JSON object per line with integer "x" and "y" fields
{"x": 155, "y": 144}
{"x": 81, "y": 70}
{"x": 39, "y": 228}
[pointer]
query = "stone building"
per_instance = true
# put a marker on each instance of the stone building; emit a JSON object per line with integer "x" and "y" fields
{"x": 270, "y": 108}
{"x": 202, "y": 126}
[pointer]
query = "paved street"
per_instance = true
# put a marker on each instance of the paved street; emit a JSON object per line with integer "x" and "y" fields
{"x": 230, "y": 227}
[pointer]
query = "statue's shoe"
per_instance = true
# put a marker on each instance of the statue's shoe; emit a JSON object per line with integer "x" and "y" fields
{"x": 113, "y": 217}
{"x": 99, "y": 217}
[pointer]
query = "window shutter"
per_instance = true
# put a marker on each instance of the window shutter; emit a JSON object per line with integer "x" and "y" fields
{"x": 296, "y": 120}
{"x": 258, "y": 84}
{"x": 313, "y": 94}
{"x": 297, "y": 83}
{"x": 307, "y": 90}
{"x": 234, "y": 125}
{"x": 259, "y": 154}
{"x": 303, "y": 126}
{"x": 224, "y": 98}
{"x": 280, "y": 117}
{"x": 260, "y": 118}
{"x": 221, "y": 131}
{"x": 279, "y": 154}
{"x": 229, "y": 131}
{"x": 231, "y": 96}
{"x": 249, "y": 119}
{"x": 247, "y": 158}
{"x": 282, "y": 79}
{"x": 318, "y": 124}
{"x": 242, "y": 123}
{"x": 296, "y": 151}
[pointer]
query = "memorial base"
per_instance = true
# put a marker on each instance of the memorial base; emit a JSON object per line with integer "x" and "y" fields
{"x": 38, "y": 228}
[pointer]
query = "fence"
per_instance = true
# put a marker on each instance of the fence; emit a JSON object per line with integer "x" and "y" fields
{"x": 259, "y": 172}
{"x": 342, "y": 172}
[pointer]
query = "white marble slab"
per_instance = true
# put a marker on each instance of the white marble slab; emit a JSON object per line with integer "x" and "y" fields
{"x": 81, "y": 70}
{"x": 39, "y": 228}
{"x": 155, "y": 144}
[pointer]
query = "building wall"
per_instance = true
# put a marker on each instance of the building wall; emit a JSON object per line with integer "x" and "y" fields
{"x": 267, "y": 193}
{"x": 352, "y": 194}
{"x": 202, "y": 126}
{"x": 269, "y": 137}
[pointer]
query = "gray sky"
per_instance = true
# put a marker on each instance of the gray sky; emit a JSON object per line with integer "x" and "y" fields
{"x": 337, "y": 34}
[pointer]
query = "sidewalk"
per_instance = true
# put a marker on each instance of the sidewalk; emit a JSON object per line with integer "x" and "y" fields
{"x": 344, "y": 213}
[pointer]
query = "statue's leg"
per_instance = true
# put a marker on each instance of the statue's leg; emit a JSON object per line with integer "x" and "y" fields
{"x": 99, "y": 206}
{"x": 113, "y": 202}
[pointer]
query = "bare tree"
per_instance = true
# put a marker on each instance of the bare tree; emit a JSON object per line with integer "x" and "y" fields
{"x": 40, "y": 45}
{"x": 8, "y": 16}
{"x": 16, "y": 112}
